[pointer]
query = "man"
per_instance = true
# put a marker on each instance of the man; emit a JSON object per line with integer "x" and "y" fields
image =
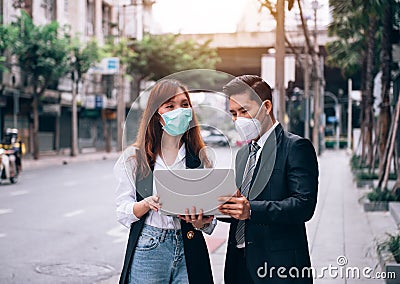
{"x": 277, "y": 175}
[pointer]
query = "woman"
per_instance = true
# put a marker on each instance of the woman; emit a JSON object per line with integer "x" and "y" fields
{"x": 162, "y": 249}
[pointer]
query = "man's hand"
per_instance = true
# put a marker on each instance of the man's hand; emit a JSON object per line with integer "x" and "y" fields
{"x": 198, "y": 221}
{"x": 236, "y": 206}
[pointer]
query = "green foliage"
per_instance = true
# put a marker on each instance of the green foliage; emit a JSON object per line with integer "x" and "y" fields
{"x": 84, "y": 56}
{"x": 378, "y": 194}
{"x": 392, "y": 244}
{"x": 157, "y": 56}
{"x": 7, "y": 38}
{"x": 350, "y": 22}
{"x": 368, "y": 176}
{"x": 42, "y": 51}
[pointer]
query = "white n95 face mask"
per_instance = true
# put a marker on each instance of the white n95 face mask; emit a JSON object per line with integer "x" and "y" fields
{"x": 248, "y": 128}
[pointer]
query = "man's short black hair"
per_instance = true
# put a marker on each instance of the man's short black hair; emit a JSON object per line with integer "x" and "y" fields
{"x": 242, "y": 83}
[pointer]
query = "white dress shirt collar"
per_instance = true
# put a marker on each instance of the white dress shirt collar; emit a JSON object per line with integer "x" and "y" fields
{"x": 179, "y": 158}
{"x": 261, "y": 141}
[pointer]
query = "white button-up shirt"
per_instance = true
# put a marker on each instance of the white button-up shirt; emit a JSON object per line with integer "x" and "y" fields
{"x": 125, "y": 172}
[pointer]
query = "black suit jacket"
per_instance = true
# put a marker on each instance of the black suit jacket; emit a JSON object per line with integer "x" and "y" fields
{"x": 195, "y": 248}
{"x": 282, "y": 197}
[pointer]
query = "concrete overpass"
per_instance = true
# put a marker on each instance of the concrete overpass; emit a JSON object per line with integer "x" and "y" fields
{"x": 241, "y": 52}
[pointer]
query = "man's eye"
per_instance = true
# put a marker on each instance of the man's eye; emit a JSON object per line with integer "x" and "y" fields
{"x": 170, "y": 106}
{"x": 244, "y": 111}
{"x": 185, "y": 105}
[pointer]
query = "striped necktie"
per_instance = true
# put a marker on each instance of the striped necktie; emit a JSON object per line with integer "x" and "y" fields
{"x": 245, "y": 188}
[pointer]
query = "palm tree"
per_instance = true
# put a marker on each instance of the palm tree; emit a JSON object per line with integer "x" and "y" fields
{"x": 355, "y": 26}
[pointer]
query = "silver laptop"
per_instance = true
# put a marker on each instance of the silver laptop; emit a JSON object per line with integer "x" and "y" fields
{"x": 181, "y": 189}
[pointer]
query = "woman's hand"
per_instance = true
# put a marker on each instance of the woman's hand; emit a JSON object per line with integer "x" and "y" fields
{"x": 198, "y": 221}
{"x": 152, "y": 202}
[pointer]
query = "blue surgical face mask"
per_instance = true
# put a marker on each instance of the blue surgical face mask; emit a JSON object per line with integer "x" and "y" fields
{"x": 177, "y": 121}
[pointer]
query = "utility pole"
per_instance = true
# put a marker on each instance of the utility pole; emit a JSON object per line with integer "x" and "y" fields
{"x": 316, "y": 86}
{"x": 307, "y": 93}
{"x": 349, "y": 116}
{"x": 280, "y": 60}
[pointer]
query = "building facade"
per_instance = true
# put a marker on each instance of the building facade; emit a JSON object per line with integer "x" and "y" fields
{"x": 97, "y": 94}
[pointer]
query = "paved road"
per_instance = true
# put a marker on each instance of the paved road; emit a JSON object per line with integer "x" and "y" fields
{"x": 58, "y": 224}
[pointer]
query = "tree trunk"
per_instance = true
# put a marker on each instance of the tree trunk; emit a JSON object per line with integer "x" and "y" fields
{"x": 386, "y": 61}
{"x": 74, "y": 120}
{"x": 369, "y": 115}
{"x": 35, "y": 105}
{"x": 392, "y": 145}
{"x": 106, "y": 134}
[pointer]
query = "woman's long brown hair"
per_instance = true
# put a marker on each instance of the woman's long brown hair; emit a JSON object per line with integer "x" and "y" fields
{"x": 148, "y": 141}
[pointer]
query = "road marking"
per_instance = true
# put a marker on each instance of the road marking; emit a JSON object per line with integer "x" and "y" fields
{"x": 120, "y": 233}
{"x": 74, "y": 213}
{"x": 2, "y": 235}
{"x": 5, "y": 211}
{"x": 19, "y": 192}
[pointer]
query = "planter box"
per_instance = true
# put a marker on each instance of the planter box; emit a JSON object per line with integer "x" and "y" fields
{"x": 390, "y": 266}
{"x": 394, "y": 208}
{"x": 362, "y": 183}
{"x": 376, "y": 206}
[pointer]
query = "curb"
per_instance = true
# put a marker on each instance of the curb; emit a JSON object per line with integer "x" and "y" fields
{"x": 59, "y": 160}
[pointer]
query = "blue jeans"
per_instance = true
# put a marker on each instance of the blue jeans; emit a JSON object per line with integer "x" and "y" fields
{"x": 159, "y": 257}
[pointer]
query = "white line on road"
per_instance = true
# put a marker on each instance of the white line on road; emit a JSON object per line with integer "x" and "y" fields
{"x": 18, "y": 192}
{"x": 74, "y": 213}
{"x": 120, "y": 233}
{"x": 5, "y": 211}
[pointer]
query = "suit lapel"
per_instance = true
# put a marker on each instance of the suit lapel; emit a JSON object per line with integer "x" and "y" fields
{"x": 267, "y": 163}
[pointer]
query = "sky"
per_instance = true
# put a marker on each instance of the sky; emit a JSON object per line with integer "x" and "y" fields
{"x": 222, "y": 16}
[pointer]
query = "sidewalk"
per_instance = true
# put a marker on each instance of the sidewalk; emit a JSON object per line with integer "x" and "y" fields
{"x": 54, "y": 159}
{"x": 339, "y": 227}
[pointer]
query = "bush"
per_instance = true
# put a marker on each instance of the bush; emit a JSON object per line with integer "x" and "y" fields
{"x": 369, "y": 176}
{"x": 377, "y": 194}
{"x": 392, "y": 244}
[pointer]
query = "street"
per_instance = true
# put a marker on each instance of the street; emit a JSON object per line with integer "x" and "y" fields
{"x": 58, "y": 224}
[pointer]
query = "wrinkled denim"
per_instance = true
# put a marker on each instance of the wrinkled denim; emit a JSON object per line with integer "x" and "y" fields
{"x": 159, "y": 257}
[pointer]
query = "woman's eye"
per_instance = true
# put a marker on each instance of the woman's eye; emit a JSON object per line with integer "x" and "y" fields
{"x": 170, "y": 106}
{"x": 185, "y": 105}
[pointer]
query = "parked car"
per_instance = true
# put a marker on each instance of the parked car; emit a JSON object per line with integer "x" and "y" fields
{"x": 215, "y": 138}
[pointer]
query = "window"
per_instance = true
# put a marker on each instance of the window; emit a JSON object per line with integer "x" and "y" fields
{"x": 89, "y": 17}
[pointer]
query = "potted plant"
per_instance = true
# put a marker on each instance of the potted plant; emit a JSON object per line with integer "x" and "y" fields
{"x": 389, "y": 257}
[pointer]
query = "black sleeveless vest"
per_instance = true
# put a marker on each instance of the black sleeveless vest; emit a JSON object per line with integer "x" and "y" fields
{"x": 195, "y": 248}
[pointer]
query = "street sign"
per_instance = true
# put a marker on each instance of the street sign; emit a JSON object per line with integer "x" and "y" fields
{"x": 107, "y": 66}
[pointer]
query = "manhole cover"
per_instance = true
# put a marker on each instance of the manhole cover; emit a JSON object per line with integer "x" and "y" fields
{"x": 75, "y": 269}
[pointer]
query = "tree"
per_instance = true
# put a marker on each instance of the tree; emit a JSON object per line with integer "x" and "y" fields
{"x": 43, "y": 54}
{"x": 83, "y": 57}
{"x": 7, "y": 38}
{"x": 355, "y": 25}
{"x": 157, "y": 56}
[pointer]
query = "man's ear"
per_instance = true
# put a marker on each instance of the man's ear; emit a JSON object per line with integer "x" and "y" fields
{"x": 268, "y": 106}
